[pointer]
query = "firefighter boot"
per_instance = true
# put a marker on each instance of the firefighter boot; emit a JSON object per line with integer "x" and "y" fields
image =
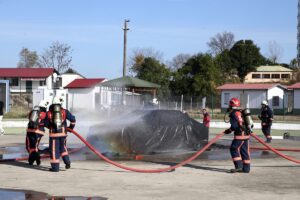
{"x": 38, "y": 159}
{"x": 238, "y": 170}
{"x": 31, "y": 158}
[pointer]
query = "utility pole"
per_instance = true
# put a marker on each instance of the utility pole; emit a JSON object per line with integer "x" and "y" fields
{"x": 125, "y": 44}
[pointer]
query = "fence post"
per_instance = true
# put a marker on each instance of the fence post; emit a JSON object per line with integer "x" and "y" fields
{"x": 212, "y": 106}
{"x": 181, "y": 104}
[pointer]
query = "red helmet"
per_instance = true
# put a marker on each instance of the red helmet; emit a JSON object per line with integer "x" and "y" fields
{"x": 234, "y": 102}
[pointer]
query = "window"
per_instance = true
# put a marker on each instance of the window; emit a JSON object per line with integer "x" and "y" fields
{"x": 226, "y": 98}
{"x": 275, "y": 101}
{"x": 285, "y": 76}
{"x": 276, "y": 76}
{"x": 266, "y": 76}
{"x": 14, "y": 82}
{"x": 256, "y": 76}
{"x": 42, "y": 83}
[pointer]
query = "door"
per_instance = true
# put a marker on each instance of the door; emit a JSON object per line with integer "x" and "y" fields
{"x": 28, "y": 86}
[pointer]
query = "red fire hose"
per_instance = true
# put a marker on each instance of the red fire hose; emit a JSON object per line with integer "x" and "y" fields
{"x": 274, "y": 150}
{"x": 278, "y": 149}
{"x": 146, "y": 170}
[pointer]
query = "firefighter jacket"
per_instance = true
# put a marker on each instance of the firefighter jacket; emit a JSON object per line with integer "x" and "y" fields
{"x": 206, "y": 119}
{"x": 41, "y": 123}
{"x": 62, "y": 131}
{"x": 237, "y": 125}
{"x": 266, "y": 116}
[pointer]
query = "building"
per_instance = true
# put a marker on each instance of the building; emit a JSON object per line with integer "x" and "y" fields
{"x": 298, "y": 35}
{"x": 84, "y": 94}
{"x": 251, "y": 96}
{"x": 295, "y": 90}
{"x": 25, "y": 80}
{"x": 270, "y": 74}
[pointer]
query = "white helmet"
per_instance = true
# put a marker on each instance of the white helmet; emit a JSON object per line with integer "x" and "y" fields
{"x": 57, "y": 100}
{"x": 154, "y": 101}
{"x": 43, "y": 104}
{"x": 264, "y": 103}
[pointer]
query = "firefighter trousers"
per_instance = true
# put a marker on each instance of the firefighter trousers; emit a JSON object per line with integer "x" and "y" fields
{"x": 240, "y": 153}
{"x": 32, "y": 144}
{"x": 58, "y": 149}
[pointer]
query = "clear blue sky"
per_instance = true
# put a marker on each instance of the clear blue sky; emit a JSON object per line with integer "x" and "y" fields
{"x": 94, "y": 28}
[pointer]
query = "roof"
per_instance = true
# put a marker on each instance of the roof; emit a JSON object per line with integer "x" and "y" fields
{"x": 294, "y": 86}
{"x": 250, "y": 86}
{"x": 84, "y": 83}
{"x": 129, "y": 82}
{"x": 26, "y": 72}
{"x": 273, "y": 68}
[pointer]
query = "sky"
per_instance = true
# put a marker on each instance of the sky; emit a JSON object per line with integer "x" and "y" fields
{"x": 93, "y": 28}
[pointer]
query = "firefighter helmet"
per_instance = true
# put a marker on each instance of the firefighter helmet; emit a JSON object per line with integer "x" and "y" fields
{"x": 43, "y": 104}
{"x": 155, "y": 101}
{"x": 234, "y": 102}
{"x": 264, "y": 103}
{"x": 57, "y": 100}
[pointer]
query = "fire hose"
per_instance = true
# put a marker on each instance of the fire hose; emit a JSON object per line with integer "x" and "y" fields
{"x": 146, "y": 170}
{"x": 274, "y": 150}
{"x": 184, "y": 162}
{"x": 99, "y": 154}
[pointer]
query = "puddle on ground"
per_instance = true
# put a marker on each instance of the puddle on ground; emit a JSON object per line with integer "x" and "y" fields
{"x": 32, "y": 195}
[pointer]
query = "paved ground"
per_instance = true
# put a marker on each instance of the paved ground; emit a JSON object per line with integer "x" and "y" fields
{"x": 271, "y": 178}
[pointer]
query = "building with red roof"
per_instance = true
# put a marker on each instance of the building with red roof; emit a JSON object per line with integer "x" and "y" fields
{"x": 85, "y": 94}
{"x": 251, "y": 95}
{"x": 24, "y": 80}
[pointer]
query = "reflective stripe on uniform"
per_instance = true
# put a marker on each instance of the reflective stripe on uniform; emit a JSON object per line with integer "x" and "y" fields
{"x": 57, "y": 135}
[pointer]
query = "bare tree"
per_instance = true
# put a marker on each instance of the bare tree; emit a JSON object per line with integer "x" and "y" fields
{"x": 28, "y": 59}
{"x": 57, "y": 56}
{"x": 178, "y": 61}
{"x": 275, "y": 52}
{"x": 221, "y": 42}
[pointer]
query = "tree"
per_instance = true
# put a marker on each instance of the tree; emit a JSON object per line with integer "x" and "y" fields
{"x": 224, "y": 65}
{"x": 294, "y": 63}
{"x": 245, "y": 57}
{"x": 221, "y": 42}
{"x": 57, "y": 56}
{"x": 154, "y": 71}
{"x": 275, "y": 52}
{"x": 138, "y": 56}
{"x": 198, "y": 76}
{"x": 178, "y": 61}
{"x": 28, "y": 59}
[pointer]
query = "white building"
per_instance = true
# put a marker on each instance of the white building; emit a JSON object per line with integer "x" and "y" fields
{"x": 251, "y": 96}
{"x": 84, "y": 94}
{"x": 295, "y": 90}
{"x": 25, "y": 80}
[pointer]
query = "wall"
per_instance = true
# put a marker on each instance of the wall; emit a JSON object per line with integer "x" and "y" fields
{"x": 296, "y": 108}
{"x": 68, "y": 78}
{"x": 81, "y": 99}
{"x": 248, "y": 78}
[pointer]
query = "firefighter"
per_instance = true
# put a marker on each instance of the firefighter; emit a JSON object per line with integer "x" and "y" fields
{"x": 57, "y": 122}
{"x": 206, "y": 117}
{"x": 35, "y": 131}
{"x": 266, "y": 118}
{"x": 239, "y": 148}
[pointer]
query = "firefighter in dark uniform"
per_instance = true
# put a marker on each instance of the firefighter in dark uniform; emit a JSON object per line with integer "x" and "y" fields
{"x": 35, "y": 131}
{"x": 266, "y": 118}
{"x": 57, "y": 122}
{"x": 239, "y": 148}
